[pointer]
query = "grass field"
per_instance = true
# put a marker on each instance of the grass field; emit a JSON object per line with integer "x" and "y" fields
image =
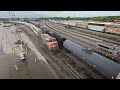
{"x": 99, "y": 34}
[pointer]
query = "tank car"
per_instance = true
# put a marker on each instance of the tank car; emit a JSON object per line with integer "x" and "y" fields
{"x": 107, "y": 67}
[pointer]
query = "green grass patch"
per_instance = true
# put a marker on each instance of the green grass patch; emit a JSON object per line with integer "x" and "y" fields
{"x": 26, "y": 48}
{"x": 103, "y": 35}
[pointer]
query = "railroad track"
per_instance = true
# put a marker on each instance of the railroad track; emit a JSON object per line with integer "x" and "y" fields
{"x": 60, "y": 62}
{"x": 78, "y": 31}
{"x": 83, "y": 41}
{"x": 71, "y": 32}
{"x": 73, "y": 36}
{"x": 64, "y": 67}
{"x": 77, "y": 61}
{"x": 78, "y": 28}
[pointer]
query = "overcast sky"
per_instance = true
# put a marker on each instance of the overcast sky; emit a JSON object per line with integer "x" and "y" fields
{"x": 36, "y": 14}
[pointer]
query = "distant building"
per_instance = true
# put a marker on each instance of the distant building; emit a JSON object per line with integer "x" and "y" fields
{"x": 21, "y": 19}
{"x": 116, "y": 21}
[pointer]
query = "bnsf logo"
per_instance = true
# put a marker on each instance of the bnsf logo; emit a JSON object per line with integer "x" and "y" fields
{"x": 118, "y": 53}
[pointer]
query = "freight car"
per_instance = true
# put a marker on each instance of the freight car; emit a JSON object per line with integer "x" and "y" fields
{"x": 107, "y": 67}
{"x": 70, "y": 25}
{"x": 116, "y": 21}
{"x": 100, "y": 27}
{"x": 48, "y": 40}
{"x": 115, "y": 29}
{"x": 83, "y": 25}
{"x": 96, "y": 27}
{"x": 106, "y": 28}
{"x": 109, "y": 49}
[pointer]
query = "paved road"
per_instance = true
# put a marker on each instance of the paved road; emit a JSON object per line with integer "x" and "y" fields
{"x": 26, "y": 70}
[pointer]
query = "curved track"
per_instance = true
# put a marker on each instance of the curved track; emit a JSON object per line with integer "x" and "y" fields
{"x": 65, "y": 64}
{"x": 78, "y": 32}
{"x": 80, "y": 39}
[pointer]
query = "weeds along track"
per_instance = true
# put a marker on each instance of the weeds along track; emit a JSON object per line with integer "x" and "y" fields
{"x": 80, "y": 39}
{"x": 90, "y": 31}
{"x": 75, "y": 60}
{"x": 83, "y": 41}
{"x": 63, "y": 62}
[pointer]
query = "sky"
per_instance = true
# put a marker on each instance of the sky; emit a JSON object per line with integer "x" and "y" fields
{"x": 38, "y": 14}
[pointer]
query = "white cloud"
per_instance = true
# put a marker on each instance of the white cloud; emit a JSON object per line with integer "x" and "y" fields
{"x": 32, "y": 14}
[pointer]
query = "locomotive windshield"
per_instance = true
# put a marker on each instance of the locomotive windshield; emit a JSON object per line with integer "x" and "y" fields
{"x": 51, "y": 40}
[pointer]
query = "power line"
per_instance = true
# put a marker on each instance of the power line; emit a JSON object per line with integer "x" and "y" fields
{"x": 12, "y": 15}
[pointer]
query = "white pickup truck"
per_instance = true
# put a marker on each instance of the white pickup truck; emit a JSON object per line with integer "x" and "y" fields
{"x": 21, "y": 52}
{"x": 22, "y": 56}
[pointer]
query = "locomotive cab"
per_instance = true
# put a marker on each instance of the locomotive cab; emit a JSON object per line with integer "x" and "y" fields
{"x": 50, "y": 42}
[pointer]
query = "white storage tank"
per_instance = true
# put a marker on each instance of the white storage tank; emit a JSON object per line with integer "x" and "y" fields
{"x": 96, "y": 27}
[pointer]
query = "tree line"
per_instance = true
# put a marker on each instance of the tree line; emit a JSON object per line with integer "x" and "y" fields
{"x": 99, "y": 18}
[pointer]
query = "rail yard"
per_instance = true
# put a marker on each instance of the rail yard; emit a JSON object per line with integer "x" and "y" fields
{"x": 67, "y": 66}
{"x": 85, "y": 40}
{"x": 64, "y": 65}
{"x": 53, "y": 50}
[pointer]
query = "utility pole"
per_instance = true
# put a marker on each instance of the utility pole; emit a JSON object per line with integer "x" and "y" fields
{"x": 74, "y": 15}
{"x": 12, "y": 15}
{"x": 9, "y": 14}
{"x": 18, "y": 38}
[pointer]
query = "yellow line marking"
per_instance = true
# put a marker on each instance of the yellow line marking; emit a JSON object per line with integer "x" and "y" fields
{"x": 35, "y": 60}
{"x": 16, "y": 68}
